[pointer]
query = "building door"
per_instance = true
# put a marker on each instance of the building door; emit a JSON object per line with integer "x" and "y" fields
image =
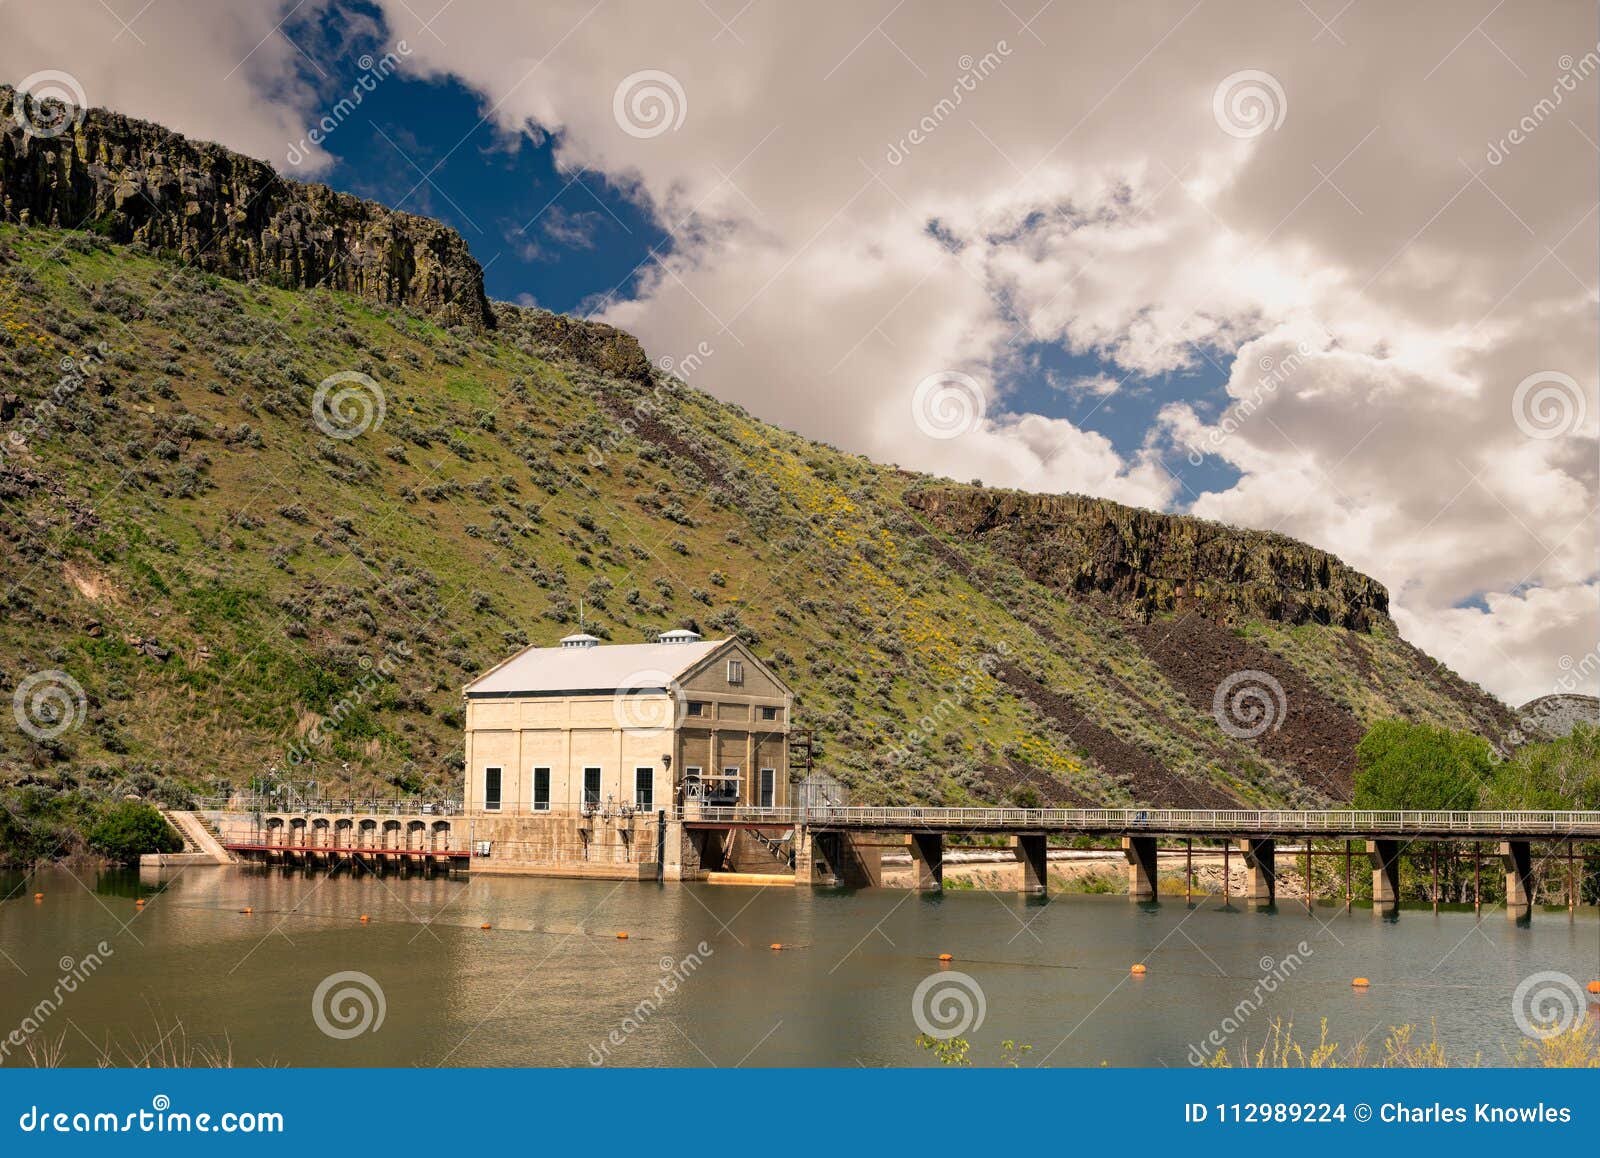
{"x": 769, "y": 787}
{"x": 591, "y": 786}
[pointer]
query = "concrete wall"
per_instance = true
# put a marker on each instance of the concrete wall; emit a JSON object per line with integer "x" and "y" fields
{"x": 567, "y": 845}
{"x": 566, "y": 735}
{"x": 570, "y": 733}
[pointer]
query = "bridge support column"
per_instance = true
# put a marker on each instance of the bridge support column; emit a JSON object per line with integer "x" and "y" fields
{"x": 1518, "y": 859}
{"x": 1385, "y": 858}
{"x": 807, "y": 857}
{"x": 1141, "y": 854}
{"x": 1261, "y": 870}
{"x": 1032, "y": 855}
{"x": 858, "y": 861}
{"x": 927, "y": 861}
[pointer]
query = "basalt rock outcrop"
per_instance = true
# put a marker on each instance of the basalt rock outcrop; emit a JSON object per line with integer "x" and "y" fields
{"x": 1149, "y": 563}
{"x": 220, "y": 211}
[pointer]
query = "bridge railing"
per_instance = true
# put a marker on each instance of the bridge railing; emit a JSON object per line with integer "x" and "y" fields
{"x": 1174, "y": 820}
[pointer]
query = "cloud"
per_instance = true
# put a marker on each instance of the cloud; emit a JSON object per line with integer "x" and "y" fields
{"x": 215, "y": 72}
{"x": 864, "y": 196}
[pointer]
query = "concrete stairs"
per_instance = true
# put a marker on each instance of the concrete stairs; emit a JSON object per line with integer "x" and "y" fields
{"x": 201, "y": 844}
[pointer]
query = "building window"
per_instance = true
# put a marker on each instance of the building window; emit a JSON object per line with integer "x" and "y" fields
{"x": 541, "y": 790}
{"x": 769, "y": 787}
{"x": 644, "y": 787}
{"x": 491, "y": 790}
{"x": 591, "y": 786}
{"x": 769, "y": 713}
{"x": 697, "y": 708}
{"x": 735, "y": 672}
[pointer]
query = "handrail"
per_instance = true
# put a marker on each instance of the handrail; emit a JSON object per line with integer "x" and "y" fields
{"x": 1337, "y": 821}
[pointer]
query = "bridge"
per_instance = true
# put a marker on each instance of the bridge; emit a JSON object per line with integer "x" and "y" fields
{"x": 368, "y": 837}
{"x": 844, "y": 845}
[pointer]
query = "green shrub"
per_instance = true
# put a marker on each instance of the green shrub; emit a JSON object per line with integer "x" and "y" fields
{"x": 128, "y": 829}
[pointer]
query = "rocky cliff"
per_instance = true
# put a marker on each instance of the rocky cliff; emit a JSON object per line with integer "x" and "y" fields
{"x": 1149, "y": 563}
{"x": 208, "y": 207}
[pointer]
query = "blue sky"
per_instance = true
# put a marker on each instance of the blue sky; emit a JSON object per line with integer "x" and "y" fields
{"x": 561, "y": 241}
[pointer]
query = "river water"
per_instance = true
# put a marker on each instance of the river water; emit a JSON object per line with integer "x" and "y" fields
{"x": 696, "y": 983}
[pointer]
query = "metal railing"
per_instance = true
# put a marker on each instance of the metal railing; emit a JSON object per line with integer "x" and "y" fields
{"x": 1172, "y": 820}
{"x": 1093, "y": 821}
{"x": 367, "y": 806}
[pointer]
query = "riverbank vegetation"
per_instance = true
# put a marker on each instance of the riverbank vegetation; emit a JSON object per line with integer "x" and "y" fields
{"x": 1404, "y": 1047}
{"x": 1407, "y": 765}
{"x": 40, "y": 824}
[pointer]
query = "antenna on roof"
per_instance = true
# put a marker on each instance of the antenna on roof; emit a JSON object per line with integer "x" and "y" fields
{"x": 580, "y": 614}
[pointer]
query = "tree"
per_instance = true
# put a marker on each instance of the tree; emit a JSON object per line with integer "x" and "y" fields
{"x": 1562, "y": 773}
{"x": 130, "y": 828}
{"x": 1402, "y": 765}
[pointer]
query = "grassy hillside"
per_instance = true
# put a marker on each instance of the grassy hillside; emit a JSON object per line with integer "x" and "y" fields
{"x": 180, "y": 538}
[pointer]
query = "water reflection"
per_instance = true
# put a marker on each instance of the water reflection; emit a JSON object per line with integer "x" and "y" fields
{"x": 236, "y": 958}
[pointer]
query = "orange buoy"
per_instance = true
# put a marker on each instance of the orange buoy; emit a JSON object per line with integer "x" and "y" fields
{"x": 1360, "y": 983}
{"x": 775, "y": 945}
{"x": 365, "y": 918}
{"x": 38, "y": 896}
{"x": 139, "y": 904}
{"x": 247, "y": 910}
{"x": 1137, "y": 970}
{"x": 1594, "y": 987}
{"x": 486, "y": 926}
{"x": 622, "y": 936}
{"x": 946, "y": 957}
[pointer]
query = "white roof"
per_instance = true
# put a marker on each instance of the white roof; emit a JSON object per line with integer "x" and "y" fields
{"x": 603, "y": 668}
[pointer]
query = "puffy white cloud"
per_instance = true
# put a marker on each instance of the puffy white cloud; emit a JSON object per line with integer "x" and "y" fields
{"x": 215, "y": 72}
{"x": 862, "y": 196}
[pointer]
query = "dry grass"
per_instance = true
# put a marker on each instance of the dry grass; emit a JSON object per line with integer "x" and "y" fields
{"x": 1404, "y": 1048}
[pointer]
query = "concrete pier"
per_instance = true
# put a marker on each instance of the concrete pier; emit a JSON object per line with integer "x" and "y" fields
{"x": 1517, "y": 856}
{"x": 1141, "y": 854}
{"x": 1385, "y": 858}
{"x": 1261, "y": 871}
{"x": 927, "y": 861}
{"x": 1032, "y": 854}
